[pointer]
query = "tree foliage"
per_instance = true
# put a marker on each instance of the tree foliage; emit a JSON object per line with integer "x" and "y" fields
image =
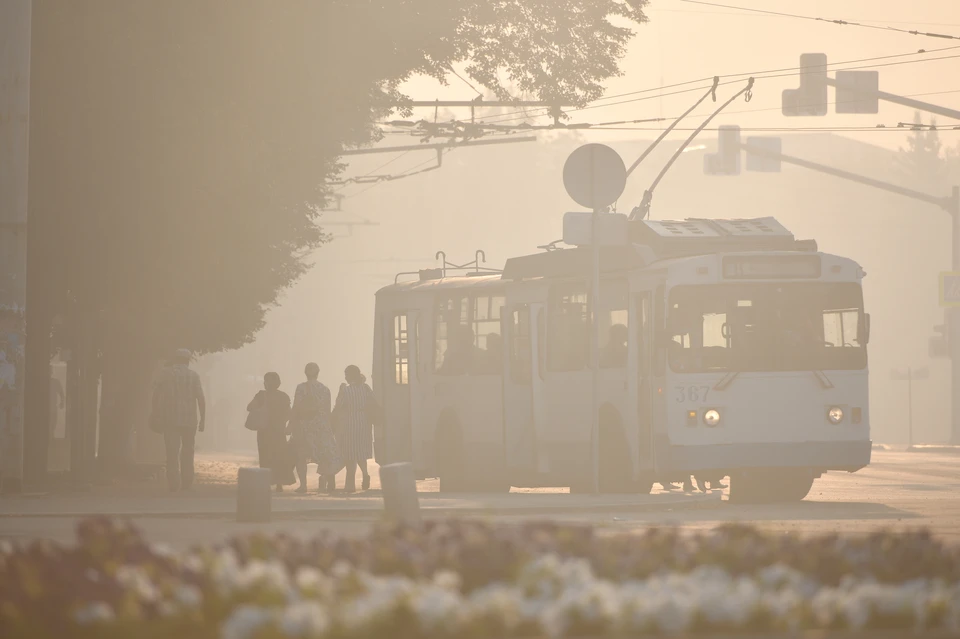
{"x": 179, "y": 149}
{"x": 922, "y": 160}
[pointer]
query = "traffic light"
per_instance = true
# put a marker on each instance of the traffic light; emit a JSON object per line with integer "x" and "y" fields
{"x": 726, "y": 161}
{"x": 940, "y": 343}
{"x": 768, "y": 162}
{"x": 811, "y": 97}
{"x": 857, "y": 92}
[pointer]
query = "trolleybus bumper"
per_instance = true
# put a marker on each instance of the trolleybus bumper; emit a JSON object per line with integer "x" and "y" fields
{"x": 821, "y": 456}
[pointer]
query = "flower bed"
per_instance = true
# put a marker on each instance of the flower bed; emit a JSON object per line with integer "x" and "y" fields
{"x": 471, "y": 579}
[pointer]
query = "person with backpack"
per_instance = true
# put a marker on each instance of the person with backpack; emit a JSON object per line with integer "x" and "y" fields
{"x": 269, "y": 412}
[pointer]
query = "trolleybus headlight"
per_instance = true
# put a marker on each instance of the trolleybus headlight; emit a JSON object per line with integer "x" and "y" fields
{"x": 711, "y": 417}
{"x": 835, "y": 415}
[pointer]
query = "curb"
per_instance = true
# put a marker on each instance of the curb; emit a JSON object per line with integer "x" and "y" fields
{"x": 934, "y": 448}
{"x": 370, "y": 514}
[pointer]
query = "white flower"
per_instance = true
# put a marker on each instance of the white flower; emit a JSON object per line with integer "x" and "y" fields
{"x": 164, "y": 551}
{"x": 261, "y": 574}
{"x": 437, "y": 609}
{"x": 189, "y": 596}
{"x": 192, "y": 563}
{"x": 93, "y": 613}
{"x": 448, "y": 580}
{"x": 244, "y": 622}
{"x": 341, "y": 569}
{"x": 856, "y": 610}
{"x": 305, "y": 619}
{"x": 504, "y": 605}
{"x": 136, "y": 579}
{"x": 674, "y": 613}
{"x": 312, "y": 581}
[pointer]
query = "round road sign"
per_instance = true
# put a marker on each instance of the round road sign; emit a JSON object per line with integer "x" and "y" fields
{"x": 594, "y": 176}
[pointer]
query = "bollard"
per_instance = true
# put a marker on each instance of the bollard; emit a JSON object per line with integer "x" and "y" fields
{"x": 400, "y": 501}
{"x": 253, "y": 494}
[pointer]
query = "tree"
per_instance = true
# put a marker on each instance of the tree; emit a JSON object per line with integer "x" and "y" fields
{"x": 179, "y": 149}
{"x": 922, "y": 161}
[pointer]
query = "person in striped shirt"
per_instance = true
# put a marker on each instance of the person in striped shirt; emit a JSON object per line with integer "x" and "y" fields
{"x": 356, "y": 411}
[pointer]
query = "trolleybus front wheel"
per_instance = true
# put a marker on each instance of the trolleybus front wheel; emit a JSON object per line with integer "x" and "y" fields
{"x": 767, "y": 486}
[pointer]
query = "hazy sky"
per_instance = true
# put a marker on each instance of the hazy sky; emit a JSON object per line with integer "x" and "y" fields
{"x": 686, "y": 42}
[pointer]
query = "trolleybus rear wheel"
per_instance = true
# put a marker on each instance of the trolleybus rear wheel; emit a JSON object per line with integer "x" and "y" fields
{"x": 782, "y": 485}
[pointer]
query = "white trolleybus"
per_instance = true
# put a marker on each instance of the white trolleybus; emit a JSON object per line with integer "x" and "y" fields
{"x": 728, "y": 348}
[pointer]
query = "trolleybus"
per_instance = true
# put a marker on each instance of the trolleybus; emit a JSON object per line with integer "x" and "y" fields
{"x": 728, "y": 348}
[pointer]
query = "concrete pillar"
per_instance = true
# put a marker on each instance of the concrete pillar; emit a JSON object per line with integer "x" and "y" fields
{"x": 400, "y": 501}
{"x": 15, "y": 25}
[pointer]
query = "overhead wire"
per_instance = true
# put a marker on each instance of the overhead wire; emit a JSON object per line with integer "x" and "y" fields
{"x": 728, "y": 79}
{"x": 864, "y": 25}
{"x": 379, "y": 168}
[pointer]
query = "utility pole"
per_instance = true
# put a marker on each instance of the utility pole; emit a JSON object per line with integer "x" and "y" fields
{"x": 15, "y": 27}
{"x": 910, "y": 376}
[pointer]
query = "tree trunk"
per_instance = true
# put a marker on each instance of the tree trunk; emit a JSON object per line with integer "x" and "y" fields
{"x": 127, "y": 374}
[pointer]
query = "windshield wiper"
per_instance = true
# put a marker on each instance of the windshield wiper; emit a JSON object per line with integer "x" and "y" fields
{"x": 725, "y": 382}
{"x": 825, "y": 382}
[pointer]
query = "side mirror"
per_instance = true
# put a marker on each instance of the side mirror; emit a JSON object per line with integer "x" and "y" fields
{"x": 866, "y": 328}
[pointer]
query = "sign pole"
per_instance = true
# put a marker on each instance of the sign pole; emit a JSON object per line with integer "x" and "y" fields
{"x": 953, "y": 322}
{"x": 594, "y": 176}
{"x": 910, "y": 407}
{"x": 595, "y": 354}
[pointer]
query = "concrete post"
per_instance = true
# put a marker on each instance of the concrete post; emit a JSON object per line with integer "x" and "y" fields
{"x": 254, "y": 494}
{"x": 400, "y": 501}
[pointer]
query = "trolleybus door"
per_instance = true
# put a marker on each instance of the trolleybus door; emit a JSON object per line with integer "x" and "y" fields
{"x": 522, "y": 388}
{"x": 416, "y": 386}
{"x": 518, "y": 369}
{"x": 401, "y": 391}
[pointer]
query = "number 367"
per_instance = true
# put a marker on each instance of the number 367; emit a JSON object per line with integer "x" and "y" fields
{"x": 695, "y": 394}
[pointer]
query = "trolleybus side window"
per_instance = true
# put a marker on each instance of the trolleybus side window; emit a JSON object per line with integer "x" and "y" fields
{"x": 454, "y": 340}
{"x": 568, "y": 340}
{"x": 614, "y": 323}
{"x": 401, "y": 352}
{"x": 486, "y": 330}
{"x": 521, "y": 348}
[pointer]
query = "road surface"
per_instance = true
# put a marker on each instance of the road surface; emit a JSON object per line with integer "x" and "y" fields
{"x": 899, "y": 491}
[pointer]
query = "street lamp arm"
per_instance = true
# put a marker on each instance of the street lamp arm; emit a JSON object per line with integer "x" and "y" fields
{"x": 946, "y": 203}
{"x": 936, "y": 109}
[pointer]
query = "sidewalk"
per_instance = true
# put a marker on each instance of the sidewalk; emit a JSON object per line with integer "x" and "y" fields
{"x": 215, "y": 497}
{"x": 368, "y": 505}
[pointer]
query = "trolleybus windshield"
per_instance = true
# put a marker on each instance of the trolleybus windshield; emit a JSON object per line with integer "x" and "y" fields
{"x": 745, "y": 327}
